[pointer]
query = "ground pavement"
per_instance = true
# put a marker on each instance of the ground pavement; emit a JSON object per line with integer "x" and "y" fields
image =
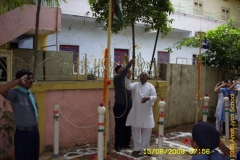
{"x": 174, "y": 139}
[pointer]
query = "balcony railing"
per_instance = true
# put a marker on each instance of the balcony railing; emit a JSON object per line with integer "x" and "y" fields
{"x": 199, "y": 11}
{"x": 50, "y": 3}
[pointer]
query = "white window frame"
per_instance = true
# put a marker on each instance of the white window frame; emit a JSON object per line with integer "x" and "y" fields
{"x": 198, "y": 7}
{"x": 225, "y": 13}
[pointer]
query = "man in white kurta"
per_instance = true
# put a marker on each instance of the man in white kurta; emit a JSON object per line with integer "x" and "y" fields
{"x": 140, "y": 117}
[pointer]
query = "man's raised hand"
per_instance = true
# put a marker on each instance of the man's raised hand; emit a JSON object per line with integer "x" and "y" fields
{"x": 23, "y": 78}
{"x": 132, "y": 61}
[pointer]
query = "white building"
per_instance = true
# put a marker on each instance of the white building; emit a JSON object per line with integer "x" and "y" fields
{"x": 82, "y": 35}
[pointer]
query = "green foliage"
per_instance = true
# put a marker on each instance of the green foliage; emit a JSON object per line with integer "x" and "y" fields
{"x": 7, "y": 128}
{"x": 224, "y": 51}
{"x": 154, "y": 14}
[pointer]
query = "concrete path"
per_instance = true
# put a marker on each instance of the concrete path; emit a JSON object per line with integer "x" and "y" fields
{"x": 174, "y": 142}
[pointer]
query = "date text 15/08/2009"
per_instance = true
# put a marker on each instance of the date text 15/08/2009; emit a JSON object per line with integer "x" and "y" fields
{"x": 175, "y": 151}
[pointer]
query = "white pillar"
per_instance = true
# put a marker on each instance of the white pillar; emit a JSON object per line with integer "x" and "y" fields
{"x": 226, "y": 112}
{"x": 161, "y": 105}
{"x": 56, "y": 131}
{"x": 205, "y": 107}
{"x": 100, "y": 150}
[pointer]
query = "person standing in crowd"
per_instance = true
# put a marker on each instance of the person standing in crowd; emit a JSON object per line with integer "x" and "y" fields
{"x": 122, "y": 106}
{"x": 219, "y": 107}
{"x": 205, "y": 139}
{"x": 224, "y": 88}
{"x": 140, "y": 117}
{"x": 25, "y": 109}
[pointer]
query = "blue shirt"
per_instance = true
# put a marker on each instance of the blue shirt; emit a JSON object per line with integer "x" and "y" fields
{"x": 226, "y": 93}
{"x": 24, "y": 114}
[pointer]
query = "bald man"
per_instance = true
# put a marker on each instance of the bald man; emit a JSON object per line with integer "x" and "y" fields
{"x": 140, "y": 117}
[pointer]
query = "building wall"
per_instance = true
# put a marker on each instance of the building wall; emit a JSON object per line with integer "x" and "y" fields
{"x": 79, "y": 108}
{"x": 78, "y": 28}
{"x": 182, "y": 85}
{"x": 81, "y": 7}
{"x": 208, "y": 6}
{"x": 78, "y": 102}
{"x": 13, "y": 26}
{"x": 76, "y": 7}
{"x": 92, "y": 41}
{"x": 82, "y": 31}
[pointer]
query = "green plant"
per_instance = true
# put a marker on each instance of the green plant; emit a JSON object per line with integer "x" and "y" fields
{"x": 153, "y": 14}
{"x": 223, "y": 51}
{"x": 6, "y": 129}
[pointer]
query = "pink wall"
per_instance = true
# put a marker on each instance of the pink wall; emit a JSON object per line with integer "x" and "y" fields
{"x": 17, "y": 22}
{"x": 80, "y": 108}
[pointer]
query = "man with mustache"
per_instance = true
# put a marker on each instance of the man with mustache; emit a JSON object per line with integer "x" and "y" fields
{"x": 25, "y": 109}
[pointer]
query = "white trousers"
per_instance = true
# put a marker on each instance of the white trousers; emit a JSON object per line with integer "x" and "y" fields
{"x": 218, "y": 124}
{"x": 141, "y": 138}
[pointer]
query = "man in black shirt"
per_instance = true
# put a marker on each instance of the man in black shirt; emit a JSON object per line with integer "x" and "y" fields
{"x": 122, "y": 106}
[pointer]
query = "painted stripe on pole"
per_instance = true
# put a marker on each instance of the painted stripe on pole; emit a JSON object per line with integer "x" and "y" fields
{"x": 100, "y": 130}
{"x": 101, "y": 124}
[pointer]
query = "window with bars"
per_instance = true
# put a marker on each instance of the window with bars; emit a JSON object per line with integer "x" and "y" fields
{"x": 119, "y": 56}
{"x": 198, "y": 8}
{"x": 194, "y": 59}
{"x": 163, "y": 57}
{"x": 225, "y": 14}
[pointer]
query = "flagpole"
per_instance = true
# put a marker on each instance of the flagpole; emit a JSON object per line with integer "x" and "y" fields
{"x": 198, "y": 98}
{"x": 107, "y": 64}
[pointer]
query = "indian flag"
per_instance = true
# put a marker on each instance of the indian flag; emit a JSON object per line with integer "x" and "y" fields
{"x": 117, "y": 10}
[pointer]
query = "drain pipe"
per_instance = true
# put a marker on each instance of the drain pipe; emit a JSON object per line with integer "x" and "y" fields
{"x": 161, "y": 115}
{"x": 57, "y": 27}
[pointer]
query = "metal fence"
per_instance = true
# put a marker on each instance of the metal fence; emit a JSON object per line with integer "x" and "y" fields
{"x": 59, "y": 66}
